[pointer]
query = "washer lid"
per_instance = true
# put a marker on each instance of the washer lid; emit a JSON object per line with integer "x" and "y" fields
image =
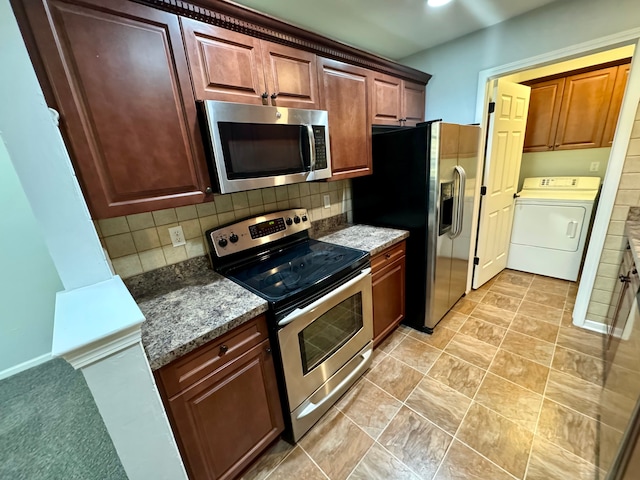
{"x": 561, "y": 188}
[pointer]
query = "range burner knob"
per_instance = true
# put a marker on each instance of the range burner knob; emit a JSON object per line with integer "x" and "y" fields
{"x": 233, "y": 238}
{"x": 304, "y": 218}
{"x": 222, "y": 242}
{"x": 296, "y": 219}
{"x": 289, "y": 221}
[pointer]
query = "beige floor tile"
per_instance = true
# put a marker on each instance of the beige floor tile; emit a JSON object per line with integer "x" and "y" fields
{"x": 569, "y": 304}
{"x": 610, "y": 439}
{"x": 576, "y": 338}
{"x": 369, "y": 407}
{"x": 379, "y": 464}
{"x": 549, "y": 462}
{"x": 518, "y": 404}
{"x": 528, "y": 347}
{"x": 461, "y": 376}
{"x": 441, "y": 404}
{"x": 509, "y": 289}
{"x": 377, "y": 357}
{"x": 297, "y": 465}
{"x": 573, "y": 392}
{"x": 535, "y": 328}
{"x": 453, "y": 321}
{"x": 568, "y": 429}
{"x": 476, "y": 295}
{"x": 541, "y": 312}
{"x": 336, "y": 444}
{"x": 417, "y": 442}
{"x": 484, "y": 331}
{"x": 504, "y": 302}
{"x": 512, "y": 277}
{"x": 395, "y": 377}
{"x": 269, "y": 460}
{"x": 471, "y": 350}
{"x": 567, "y": 318}
{"x": 551, "y": 285}
{"x": 464, "y": 306}
{"x": 391, "y": 341}
{"x": 500, "y": 440}
{"x": 545, "y": 298}
{"x": 616, "y": 410}
{"x": 623, "y": 381}
{"x": 416, "y": 354}
{"x": 578, "y": 364}
{"x": 526, "y": 373}
{"x": 438, "y": 339}
{"x": 462, "y": 463}
{"x": 492, "y": 314}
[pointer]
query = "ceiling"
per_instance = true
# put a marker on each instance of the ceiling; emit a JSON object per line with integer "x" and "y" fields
{"x": 393, "y": 28}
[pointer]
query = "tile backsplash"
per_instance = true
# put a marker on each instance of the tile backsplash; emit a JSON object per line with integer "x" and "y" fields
{"x": 140, "y": 243}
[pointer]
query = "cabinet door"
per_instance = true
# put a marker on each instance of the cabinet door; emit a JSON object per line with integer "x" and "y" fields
{"x": 227, "y": 419}
{"x": 413, "y": 103}
{"x": 121, "y": 82}
{"x": 616, "y": 103}
{"x": 344, "y": 93}
{"x": 585, "y": 104}
{"x": 388, "y": 299}
{"x": 386, "y": 99}
{"x": 292, "y": 76}
{"x": 544, "y": 110}
{"x": 225, "y": 65}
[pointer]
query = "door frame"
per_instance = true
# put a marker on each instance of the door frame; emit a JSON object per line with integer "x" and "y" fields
{"x": 617, "y": 156}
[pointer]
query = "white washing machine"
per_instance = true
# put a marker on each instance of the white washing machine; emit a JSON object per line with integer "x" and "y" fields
{"x": 550, "y": 225}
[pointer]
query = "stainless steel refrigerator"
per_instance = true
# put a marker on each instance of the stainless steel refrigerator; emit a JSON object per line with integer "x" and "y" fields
{"x": 423, "y": 181}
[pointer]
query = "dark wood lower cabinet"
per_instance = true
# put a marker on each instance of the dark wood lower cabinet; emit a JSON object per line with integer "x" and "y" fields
{"x": 224, "y": 420}
{"x": 388, "y": 282}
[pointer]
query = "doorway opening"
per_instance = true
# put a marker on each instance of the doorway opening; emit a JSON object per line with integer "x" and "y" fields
{"x": 604, "y": 162}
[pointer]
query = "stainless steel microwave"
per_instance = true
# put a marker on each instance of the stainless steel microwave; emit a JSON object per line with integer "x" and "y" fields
{"x": 256, "y": 146}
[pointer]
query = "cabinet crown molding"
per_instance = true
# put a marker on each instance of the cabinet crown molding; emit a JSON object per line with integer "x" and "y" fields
{"x": 250, "y": 22}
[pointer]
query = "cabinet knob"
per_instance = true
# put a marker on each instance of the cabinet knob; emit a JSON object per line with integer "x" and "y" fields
{"x": 265, "y": 95}
{"x": 223, "y": 349}
{"x": 208, "y": 190}
{"x": 274, "y": 96}
{"x": 387, "y": 256}
{"x": 550, "y": 147}
{"x": 268, "y": 350}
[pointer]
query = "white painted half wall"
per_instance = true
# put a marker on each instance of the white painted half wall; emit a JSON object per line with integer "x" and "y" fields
{"x": 29, "y": 280}
{"x": 452, "y": 92}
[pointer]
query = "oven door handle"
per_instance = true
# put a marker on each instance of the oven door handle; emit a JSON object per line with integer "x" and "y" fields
{"x": 298, "y": 312}
{"x": 338, "y": 390}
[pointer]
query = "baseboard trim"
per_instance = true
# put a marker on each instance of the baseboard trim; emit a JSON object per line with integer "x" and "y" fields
{"x": 21, "y": 367}
{"x": 594, "y": 326}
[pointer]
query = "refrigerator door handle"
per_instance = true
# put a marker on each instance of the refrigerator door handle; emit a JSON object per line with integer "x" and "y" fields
{"x": 459, "y": 205}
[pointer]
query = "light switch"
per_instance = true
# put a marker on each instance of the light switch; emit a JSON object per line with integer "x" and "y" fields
{"x": 595, "y": 166}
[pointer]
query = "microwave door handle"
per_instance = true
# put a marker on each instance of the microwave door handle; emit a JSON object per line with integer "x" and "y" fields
{"x": 312, "y": 150}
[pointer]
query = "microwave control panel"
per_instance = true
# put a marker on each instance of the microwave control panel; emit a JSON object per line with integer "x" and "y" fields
{"x": 319, "y": 135}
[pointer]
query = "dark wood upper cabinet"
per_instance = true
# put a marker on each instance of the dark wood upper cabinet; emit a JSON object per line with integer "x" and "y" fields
{"x": 225, "y": 65}
{"x": 121, "y": 84}
{"x": 233, "y": 67}
{"x": 344, "y": 93}
{"x": 292, "y": 76}
{"x": 585, "y": 104}
{"x": 395, "y": 101}
{"x": 622, "y": 77}
{"x": 577, "y": 110}
{"x": 544, "y": 110}
{"x": 413, "y": 103}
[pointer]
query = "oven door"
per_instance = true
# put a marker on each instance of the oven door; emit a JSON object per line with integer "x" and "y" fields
{"x": 321, "y": 338}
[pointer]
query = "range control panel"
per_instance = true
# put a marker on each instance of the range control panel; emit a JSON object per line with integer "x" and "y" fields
{"x": 257, "y": 231}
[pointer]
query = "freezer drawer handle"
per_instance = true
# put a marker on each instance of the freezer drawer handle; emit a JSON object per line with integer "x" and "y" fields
{"x": 572, "y": 228}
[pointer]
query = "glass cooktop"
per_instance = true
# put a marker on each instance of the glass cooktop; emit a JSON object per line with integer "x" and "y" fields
{"x": 295, "y": 269}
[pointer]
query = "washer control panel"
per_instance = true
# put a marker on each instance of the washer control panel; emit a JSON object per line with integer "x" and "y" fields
{"x": 257, "y": 231}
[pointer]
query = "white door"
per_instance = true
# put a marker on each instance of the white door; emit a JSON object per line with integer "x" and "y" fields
{"x": 501, "y": 171}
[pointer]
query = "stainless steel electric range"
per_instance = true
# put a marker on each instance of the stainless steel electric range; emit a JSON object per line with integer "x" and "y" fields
{"x": 320, "y": 307}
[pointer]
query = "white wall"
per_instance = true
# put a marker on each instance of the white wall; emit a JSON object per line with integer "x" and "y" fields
{"x": 451, "y": 93}
{"x": 564, "y": 163}
{"x": 29, "y": 278}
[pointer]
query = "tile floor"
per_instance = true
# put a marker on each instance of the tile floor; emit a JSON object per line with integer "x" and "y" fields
{"x": 505, "y": 388}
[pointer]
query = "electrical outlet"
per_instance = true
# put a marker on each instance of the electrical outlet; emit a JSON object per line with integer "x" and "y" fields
{"x": 177, "y": 236}
{"x": 327, "y": 201}
{"x": 595, "y": 166}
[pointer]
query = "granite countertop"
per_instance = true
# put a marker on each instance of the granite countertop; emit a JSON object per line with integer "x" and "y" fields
{"x": 632, "y": 227}
{"x": 187, "y": 305}
{"x": 365, "y": 237}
